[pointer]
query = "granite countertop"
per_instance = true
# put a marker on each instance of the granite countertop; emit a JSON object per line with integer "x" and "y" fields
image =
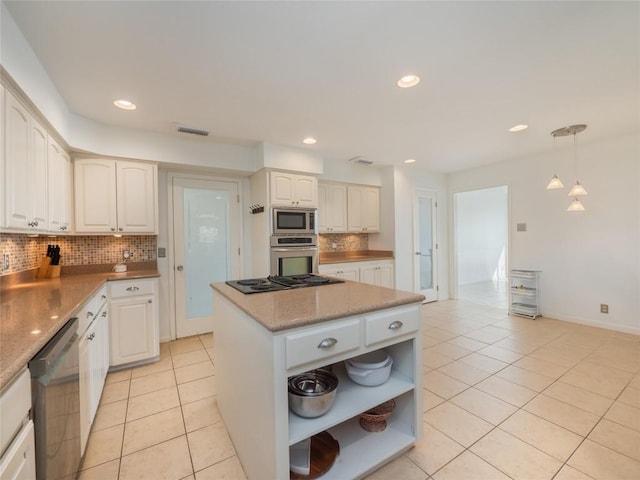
{"x": 33, "y": 310}
{"x": 356, "y": 256}
{"x": 297, "y": 307}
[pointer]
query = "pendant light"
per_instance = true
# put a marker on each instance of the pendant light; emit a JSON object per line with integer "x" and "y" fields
{"x": 577, "y": 190}
{"x": 555, "y": 182}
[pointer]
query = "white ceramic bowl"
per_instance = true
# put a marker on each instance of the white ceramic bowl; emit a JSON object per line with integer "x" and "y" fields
{"x": 371, "y": 360}
{"x": 369, "y": 377}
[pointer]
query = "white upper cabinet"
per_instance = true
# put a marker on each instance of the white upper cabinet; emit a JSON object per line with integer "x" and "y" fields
{"x": 363, "y": 209}
{"x": 137, "y": 197}
{"x": 332, "y": 208}
{"x": 290, "y": 189}
{"x": 60, "y": 189}
{"x": 25, "y": 168}
{"x": 115, "y": 196}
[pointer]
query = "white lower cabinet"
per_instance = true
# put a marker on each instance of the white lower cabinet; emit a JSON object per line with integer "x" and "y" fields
{"x": 133, "y": 313}
{"x": 17, "y": 443}
{"x": 345, "y": 271}
{"x": 263, "y": 361}
{"x": 378, "y": 272}
{"x": 94, "y": 362}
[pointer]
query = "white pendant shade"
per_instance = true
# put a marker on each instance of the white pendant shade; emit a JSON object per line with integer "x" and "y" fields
{"x": 555, "y": 183}
{"x": 577, "y": 190}
{"x": 575, "y": 206}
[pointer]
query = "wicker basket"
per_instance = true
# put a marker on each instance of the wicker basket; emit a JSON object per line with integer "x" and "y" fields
{"x": 374, "y": 420}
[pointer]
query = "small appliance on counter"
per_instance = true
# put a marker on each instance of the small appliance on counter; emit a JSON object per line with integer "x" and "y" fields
{"x": 274, "y": 283}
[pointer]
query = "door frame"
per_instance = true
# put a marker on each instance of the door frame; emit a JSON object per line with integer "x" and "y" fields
{"x": 453, "y": 264}
{"x": 416, "y": 239}
{"x": 171, "y": 176}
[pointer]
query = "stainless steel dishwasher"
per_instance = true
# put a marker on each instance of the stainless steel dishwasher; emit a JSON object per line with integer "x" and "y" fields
{"x": 56, "y": 405}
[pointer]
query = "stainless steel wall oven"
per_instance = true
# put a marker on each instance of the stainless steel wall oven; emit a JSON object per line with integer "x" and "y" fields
{"x": 294, "y": 255}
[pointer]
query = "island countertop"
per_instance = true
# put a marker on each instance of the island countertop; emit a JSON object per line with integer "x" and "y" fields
{"x": 285, "y": 309}
{"x": 33, "y": 310}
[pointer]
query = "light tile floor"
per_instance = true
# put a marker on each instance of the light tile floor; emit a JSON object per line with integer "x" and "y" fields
{"x": 505, "y": 397}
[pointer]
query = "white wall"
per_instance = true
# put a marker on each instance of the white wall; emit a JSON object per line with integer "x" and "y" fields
{"x": 481, "y": 234}
{"x": 403, "y": 182}
{"x": 586, "y": 258}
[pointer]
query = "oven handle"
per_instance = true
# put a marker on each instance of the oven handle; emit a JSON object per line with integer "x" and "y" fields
{"x": 294, "y": 249}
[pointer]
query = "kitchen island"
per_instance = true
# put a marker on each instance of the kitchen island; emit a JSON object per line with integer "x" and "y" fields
{"x": 263, "y": 339}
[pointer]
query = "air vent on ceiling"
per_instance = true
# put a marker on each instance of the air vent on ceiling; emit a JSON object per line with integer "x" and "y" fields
{"x": 360, "y": 161}
{"x": 193, "y": 131}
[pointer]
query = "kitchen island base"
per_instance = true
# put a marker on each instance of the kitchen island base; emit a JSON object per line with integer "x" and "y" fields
{"x": 253, "y": 364}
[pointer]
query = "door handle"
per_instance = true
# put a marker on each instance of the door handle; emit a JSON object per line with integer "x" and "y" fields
{"x": 179, "y": 268}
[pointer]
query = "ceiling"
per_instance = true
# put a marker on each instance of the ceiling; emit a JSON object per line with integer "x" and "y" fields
{"x": 279, "y": 71}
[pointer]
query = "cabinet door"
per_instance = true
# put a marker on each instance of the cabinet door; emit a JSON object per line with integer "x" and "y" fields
{"x": 282, "y": 188}
{"x": 305, "y": 191}
{"x": 368, "y": 275}
{"x": 351, "y": 273}
{"x": 385, "y": 276}
{"x": 338, "y": 208}
{"x": 19, "y": 461}
{"x": 95, "y": 196}
{"x": 37, "y": 183}
{"x": 355, "y": 205}
{"x": 371, "y": 209}
{"x": 59, "y": 181}
{"x": 137, "y": 198}
{"x": 363, "y": 209}
{"x": 16, "y": 158}
{"x": 85, "y": 388}
{"x": 133, "y": 333}
{"x": 332, "y": 208}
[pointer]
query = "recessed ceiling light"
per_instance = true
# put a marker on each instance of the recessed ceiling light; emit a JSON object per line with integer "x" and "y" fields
{"x": 408, "y": 81}
{"x": 125, "y": 104}
{"x": 410, "y": 160}
{"x": 309, "y": 140}
{"x": 518, "y": 128}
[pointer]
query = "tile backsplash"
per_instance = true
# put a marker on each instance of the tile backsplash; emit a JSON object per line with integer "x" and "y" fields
{"x": 25, "y": 253}
{"x": 344, "y": 242}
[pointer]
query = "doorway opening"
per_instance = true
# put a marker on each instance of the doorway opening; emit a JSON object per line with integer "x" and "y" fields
{"x": 481, "y": 232}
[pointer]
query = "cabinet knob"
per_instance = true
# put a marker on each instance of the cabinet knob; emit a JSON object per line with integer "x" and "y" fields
{"x": 327, "y": 343}
{"x": 120, "y": 229}
{"x": 149, "y": 301}
{"x": 89, "y": 314}
{"x": 179, "y": 268}
{"x": 395, "y": 325}
{"x": 113, "y": 229}
{"x": 104, "y": 314}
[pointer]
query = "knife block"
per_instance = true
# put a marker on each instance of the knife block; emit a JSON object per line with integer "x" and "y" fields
{"x": 54, "y": 271}
{"x": 46, "y": 270}
{"x": 44, "y": 267}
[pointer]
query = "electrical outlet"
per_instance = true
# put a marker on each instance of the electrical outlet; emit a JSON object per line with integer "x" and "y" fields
{"x": 126, "y": 254}
{"x": 5, "y": 261}
{"x": 334, "y": 245}
{"x": 604, "y": 308}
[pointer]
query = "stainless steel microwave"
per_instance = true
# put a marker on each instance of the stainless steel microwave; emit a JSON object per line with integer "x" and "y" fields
{"x": 287, "y": 221}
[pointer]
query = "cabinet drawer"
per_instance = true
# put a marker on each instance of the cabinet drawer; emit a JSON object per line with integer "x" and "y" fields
{"x": 386, "y": 325}
{"x": 322, "y": 343}
{"x": 89, "y": 310}
{"x": 131, "y": 288}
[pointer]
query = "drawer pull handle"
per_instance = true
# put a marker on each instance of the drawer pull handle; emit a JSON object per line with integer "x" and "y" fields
{"x": 327, "y": 343}
{"x": 132, "y": 289}
{"x": 89, "y": 314}
{"x": 395, "y": 325}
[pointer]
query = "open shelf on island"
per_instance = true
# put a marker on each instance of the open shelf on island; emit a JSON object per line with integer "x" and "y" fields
{"x": 351, "y": 399}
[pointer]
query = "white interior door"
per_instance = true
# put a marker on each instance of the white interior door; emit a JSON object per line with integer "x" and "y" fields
{"x": 206, "y": 229}
{"x": 425, "y": 242}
